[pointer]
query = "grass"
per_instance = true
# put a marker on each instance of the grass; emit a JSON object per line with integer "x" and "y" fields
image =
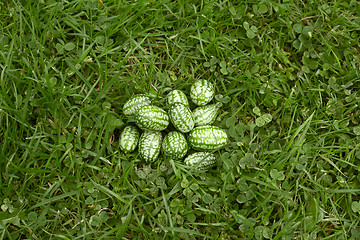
{"x": 287, "y": 73}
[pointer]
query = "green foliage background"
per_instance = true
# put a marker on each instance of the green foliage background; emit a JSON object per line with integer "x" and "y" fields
{"x": 287, "y": 73}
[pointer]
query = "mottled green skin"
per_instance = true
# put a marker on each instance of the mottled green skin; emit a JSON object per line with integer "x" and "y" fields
{"x": 129, "y": 139}
{"x": 205, "y": 115}
{"x": 152, "y": 118}
{"x": 150, "y": 145}
{"x": 176, "y": 96}
{"x": 200, "y": 161}
{"x": 174, "y": 145}
{"x": 181, "y": 117}
{"x": 134, "y": 103}
{"x": 207, "y": 138}
{"x": 202, "y": 92}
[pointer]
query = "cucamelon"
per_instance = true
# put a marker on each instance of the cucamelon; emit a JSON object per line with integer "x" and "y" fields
{"x": 202, "y": 92}
{"x": 176, "y": 96}
{"x": 205, "y": 115}
{"x": 174, "y": 145}
{"x": 134, "y": 103}
{"x": 207, "y": 138}
{"x": 149, "y": 145}
{"x": 152, "y": 118}
{"x": 181, "y": 117}
{"x": 200, "y": 161}
{"x": 129, "y": 139}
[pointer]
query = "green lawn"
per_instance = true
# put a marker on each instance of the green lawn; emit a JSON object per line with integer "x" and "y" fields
{"x": 288, "y": 76}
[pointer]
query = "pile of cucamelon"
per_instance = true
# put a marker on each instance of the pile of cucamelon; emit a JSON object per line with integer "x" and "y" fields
{"x": 194, "y": 128}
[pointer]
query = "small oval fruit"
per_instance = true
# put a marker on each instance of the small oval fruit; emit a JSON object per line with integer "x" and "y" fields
{"x": 202, "y": 92}
{"x": 200, "y": 161}
{"x": 207, "y": 138}
{"x": 205, "y": 115}
{"x": 152, "y": 118}
{"x": 174, "y": 145}
{"x": 134, "y": 103}
{"x": 181, "y": 117}
{"x": 149, "y": 145}
{"x": 176, "y": 96}
{"x": 129, "y": 139}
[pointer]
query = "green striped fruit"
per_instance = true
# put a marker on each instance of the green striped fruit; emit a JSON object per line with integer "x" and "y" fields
{"x": 205, "y": 115}
{"x": 181, "y": 117}
{"x": 177, "y": 96}
{"x": 152, "y": 118}
{"x": 129, "y": 139}
{"x": 200, "y": 161}
{"x": 149, "y": 145}
{"x": 202, "y": 92}
{"x": 134, "y": 103}
{"x": 207, "y": 138}
{"x": 174, "y": 145}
